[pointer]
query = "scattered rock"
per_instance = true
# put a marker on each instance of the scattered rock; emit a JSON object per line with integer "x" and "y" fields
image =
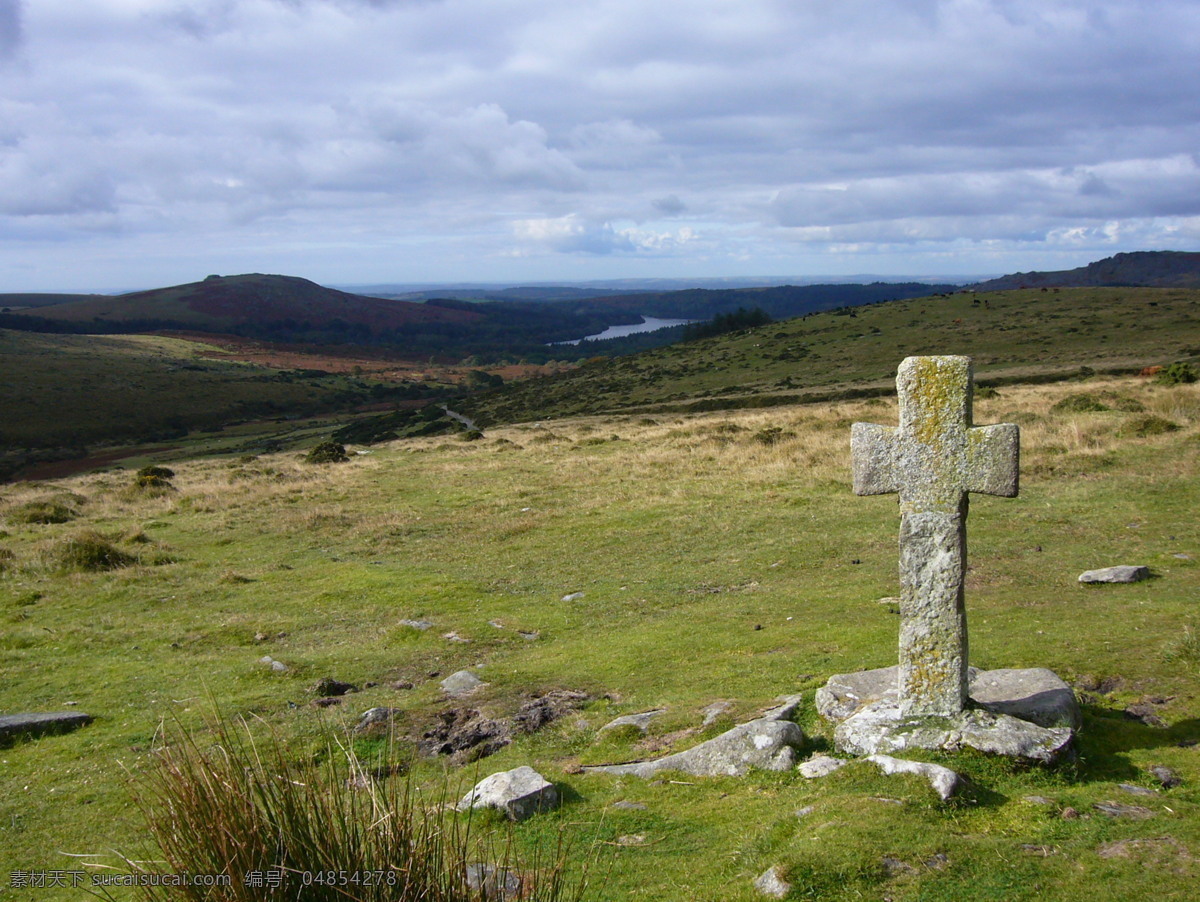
{"x": 535, "y": 714}
{"x": 713, "y": 711}
{"x": 1165, "y": 776}
{"x": 574, "y": 596}
{"x": 765, "y": 744}
{"x": 771, "y": 883}
{"x": 421, "y": 625}
{"x": 327, "y": 702}
{"x": 1120, "y": 574}
{"x": 528, "y": 636}
{"x": 639, "y": 721}
{"x": 895, "y": 867}
{"x": 1159, "y": 853}
{"x": 1146, "y": 714}
{"x": 1038, "y": 800}
{"x": 455, "y": 637}
{"x": 631, "y": 839}
{"x": 401, "y": 685}
{"x": 944, "y": 781}
{"x": 518, "y": 793}
{"x": 1116, "y": 809}
{"x": 624, "y": 805}
{"x": 787, "y": 707}
{"x": 804, "y": 812}
{"x": 821, "y": 766}
{"x": 493, "y": 883}
{"x": 466, "y": 735}
{"x": 376, "y": 721}
{"x": 461, "y": 684}
{"x": 1135, "y": 790}
{"x": 30, "y": 726}
{"x": 1069, "y": 814}
{"x": 496, "y": 624}
{"x": 330, "y": 686}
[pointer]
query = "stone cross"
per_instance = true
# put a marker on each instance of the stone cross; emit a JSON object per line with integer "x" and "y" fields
{"x": 933, "y": 460}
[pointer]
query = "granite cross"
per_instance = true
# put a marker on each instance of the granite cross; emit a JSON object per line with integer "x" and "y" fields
{"x": 933, "y": 460}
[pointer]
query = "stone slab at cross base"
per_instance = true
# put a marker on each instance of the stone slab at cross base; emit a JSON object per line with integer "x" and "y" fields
{"x": 882, "y": 729}
{"x": 1034, "y": 694}
{"x": 15, "y": 726}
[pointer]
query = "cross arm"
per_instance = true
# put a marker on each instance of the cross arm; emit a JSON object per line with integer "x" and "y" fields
{"x": 873, "y": 453}
{"x": 993, "y": 459}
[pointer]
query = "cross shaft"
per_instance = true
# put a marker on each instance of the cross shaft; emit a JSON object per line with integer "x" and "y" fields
{"x": 932, "y": 460}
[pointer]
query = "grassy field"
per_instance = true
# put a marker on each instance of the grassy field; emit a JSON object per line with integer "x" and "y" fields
{"x": 720, "y": 556}
{"x": 1010, "y": 334}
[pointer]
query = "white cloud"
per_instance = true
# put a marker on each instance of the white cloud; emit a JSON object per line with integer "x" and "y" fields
{"x": 936, "y": 125}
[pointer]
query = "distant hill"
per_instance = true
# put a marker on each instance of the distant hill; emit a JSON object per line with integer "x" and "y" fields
{"x": 1142, "y": 269}
{"x": 40, "y": 299}
{"x": 221, "y": 303}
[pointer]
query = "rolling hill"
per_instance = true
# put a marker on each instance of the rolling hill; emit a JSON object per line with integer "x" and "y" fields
{"x": 1145, "y": 269}
{"x": 225, "y": 303}
{"x": 1026, "y": 335}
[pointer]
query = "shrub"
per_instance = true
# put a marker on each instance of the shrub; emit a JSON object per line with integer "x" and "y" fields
{"x": 1177, "y": 374}
{"x": 1147, "y": 425}
{"x": 53, "y": 511}
{"x": 153, "y": 484}
{"x": 1082, "y": 402}
{"x": 772, "y": 435}
{"x": 327, "y": 453}
{"x": 89, "y": 551}
{"x": 240, "y": 808}
{"x": 157, "y": 472}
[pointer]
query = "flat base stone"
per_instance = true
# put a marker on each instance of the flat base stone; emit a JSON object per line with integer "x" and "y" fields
{"x": 15, "y": 726}
{"x": 880, "y": 729}
{"x": 1034, "y": 694}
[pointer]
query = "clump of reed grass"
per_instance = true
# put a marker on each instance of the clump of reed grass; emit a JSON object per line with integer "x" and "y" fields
{"x": 323, "y": 829}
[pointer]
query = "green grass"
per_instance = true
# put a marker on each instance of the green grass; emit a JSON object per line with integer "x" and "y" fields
{"x": 713, "y": 565}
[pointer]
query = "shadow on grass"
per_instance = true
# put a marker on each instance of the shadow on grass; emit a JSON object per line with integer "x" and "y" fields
{"x": 1108, "y": 736}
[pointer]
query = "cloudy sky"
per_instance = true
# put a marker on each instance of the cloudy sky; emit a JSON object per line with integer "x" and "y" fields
{"x": 152, "y": 142}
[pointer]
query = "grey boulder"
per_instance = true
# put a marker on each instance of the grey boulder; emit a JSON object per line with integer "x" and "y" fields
{"x": 461, "y": 684}
{"x": 944, "y": 781}
{"x": 1121, "y": 574}
{"x": 518, "y": 793}
{"x": 764, "y": 744}
{"x": 14, "y": 726}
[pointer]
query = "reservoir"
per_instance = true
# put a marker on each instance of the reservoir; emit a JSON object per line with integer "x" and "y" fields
{"x": 648, "y": 324}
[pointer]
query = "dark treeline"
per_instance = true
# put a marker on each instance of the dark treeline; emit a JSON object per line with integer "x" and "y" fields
{"x": 724, "y": 323}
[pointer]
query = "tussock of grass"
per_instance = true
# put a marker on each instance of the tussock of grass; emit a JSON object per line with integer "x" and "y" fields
{"x": 88, "y": 551}
{"x": 331, "y": 829}
{"x": 42, "y": 512}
